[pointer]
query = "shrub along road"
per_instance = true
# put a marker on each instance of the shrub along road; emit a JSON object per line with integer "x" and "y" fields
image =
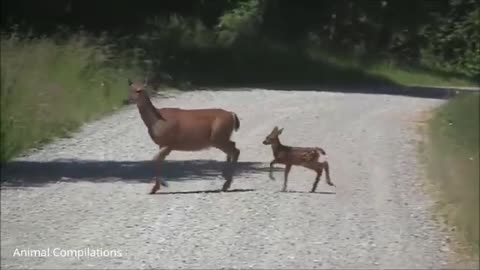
{"x": 90, "y": 191}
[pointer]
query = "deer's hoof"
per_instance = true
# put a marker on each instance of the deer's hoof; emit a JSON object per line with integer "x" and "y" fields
{"x": 154, "y": 190}
{"x": 225, "y": 188}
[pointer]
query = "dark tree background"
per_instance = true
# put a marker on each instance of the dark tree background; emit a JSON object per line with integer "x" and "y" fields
{"x": 442, "y": 34}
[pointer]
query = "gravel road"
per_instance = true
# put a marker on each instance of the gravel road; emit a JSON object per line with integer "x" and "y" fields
{"x": 90, "y": 191}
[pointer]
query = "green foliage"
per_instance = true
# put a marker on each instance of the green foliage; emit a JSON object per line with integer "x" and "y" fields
{"x": 49, "y": 87}
{"x": 242, "y": 22}
{"x": 453, "y": 41}
{"x": 459, "y": 120}
{"x": 453, "y": 163}
{"x": 179, "y": 31}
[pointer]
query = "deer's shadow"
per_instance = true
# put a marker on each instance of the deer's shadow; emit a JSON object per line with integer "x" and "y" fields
{"x": 308, "y": 192}
{"x": 203, "y": 191}
{"x": 32, "y": 173}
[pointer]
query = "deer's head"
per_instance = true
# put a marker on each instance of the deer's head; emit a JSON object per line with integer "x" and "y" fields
{"x": 135, "y": 90}
{"x": 273, "y": 136}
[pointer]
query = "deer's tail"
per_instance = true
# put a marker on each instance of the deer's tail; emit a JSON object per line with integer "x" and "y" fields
{"x": 236, "y": 121}
{"x": 321, "y": 152}
{"x": 325, "y": 165}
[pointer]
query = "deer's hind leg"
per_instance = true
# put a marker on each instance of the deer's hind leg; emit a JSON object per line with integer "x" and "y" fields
{"x": 327, "y": 173}
{"x": 317, "y": 179}
{"x": 318, "y": 167}
{"x": 285, "y": 179}
{"x": 159, "y": 158}
{"x": 220, "y": 138}
{"x": 232, "y": 157}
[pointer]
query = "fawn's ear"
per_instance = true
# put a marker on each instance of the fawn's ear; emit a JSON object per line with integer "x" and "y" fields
{"x": 279, "y": 131}
{"x": 130, "y": 82}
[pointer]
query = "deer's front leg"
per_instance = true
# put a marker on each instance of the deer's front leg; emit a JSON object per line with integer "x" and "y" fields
{"x": 287, "y": 170}
{"x": 270, "y": 173}
{"x": 164, "y": 151}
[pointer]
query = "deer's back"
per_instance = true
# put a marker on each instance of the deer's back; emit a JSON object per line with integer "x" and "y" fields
{"x": 194, "y": 114}
{"x": 193, "y": 129}
{"x": 297, "y": 155}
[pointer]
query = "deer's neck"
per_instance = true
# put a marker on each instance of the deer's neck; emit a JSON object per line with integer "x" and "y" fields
{"x": 148, "y": 112}
{"x": 277, "y": 147}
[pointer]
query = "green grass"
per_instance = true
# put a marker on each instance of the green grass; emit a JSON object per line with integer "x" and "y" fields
{"x": 453, "y": 164}
{"x": 49, "y": 88}
{"x": 398, "y": 74}
{"x": 412, "y": 76}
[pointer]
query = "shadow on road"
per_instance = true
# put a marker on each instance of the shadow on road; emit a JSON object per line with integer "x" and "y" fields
{"x": 374, "y": 89}
{"x": 308, "y": 192}
{"x": 203, "y": 191}
{"x": 30, "y": 173}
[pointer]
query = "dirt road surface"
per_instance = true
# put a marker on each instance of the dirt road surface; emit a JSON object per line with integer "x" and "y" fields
{"x": 90, "y": 192}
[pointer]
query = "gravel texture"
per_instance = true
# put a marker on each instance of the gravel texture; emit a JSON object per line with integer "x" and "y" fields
{"x": 90, "y": 191}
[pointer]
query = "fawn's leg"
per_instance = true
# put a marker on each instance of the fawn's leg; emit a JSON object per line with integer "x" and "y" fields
{"x": 287, "y": 170}
{"x": 271, "y": 168}
{"x": 232, "y": 157}
{"x": 327, "y": 173}
{"x": 159, "y": 158}
{"x": 317, "y": 179}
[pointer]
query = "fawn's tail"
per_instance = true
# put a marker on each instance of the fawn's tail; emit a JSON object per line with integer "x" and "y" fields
{"x": 321, "y": 151}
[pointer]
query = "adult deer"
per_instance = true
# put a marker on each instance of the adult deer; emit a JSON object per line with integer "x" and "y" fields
{"x": 307, "y": 157}
{"x": 175, "y": 129}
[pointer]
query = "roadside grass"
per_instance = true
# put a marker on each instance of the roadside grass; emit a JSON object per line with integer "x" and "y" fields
{"x": 50, "y": 87}
{"x": 418, "y": 77}
{"x": 394, "y": 72}
{"x": 451, "y": 150}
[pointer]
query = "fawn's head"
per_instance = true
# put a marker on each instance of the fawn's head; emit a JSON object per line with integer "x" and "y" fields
{"x": 273, "y": 136}
{"x": 135, "y": 90}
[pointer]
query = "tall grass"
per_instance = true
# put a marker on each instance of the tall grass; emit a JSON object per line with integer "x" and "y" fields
{"x": 49, "y": 87}
{"x": 453, "y": 164}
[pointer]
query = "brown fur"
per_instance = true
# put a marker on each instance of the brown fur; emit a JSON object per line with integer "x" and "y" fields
{"x": 300, "y": 156}
{"x": 186, "y": 130}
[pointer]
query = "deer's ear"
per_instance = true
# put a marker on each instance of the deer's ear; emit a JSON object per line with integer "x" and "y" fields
{"x": 130, "y": 82}
{"x": 280, "y": 131}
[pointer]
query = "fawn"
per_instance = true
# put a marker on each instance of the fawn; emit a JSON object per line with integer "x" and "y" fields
{"x": 307, "y": 157}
